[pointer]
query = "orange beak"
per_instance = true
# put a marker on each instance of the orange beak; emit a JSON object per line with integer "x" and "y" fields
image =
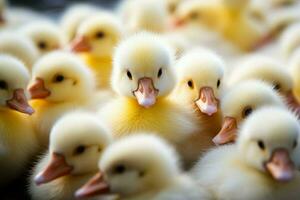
{"x": 146, "y": 92}
{"x": 37, "y": 90}
{"x": 19, "y": 102}
{"x": 207, "y": 102}
{"x": 227, "y": 133}
{"x": 80, "y": 44}
{"x": 280, "y": 166}
{"x": 56, "y": 168}
{"x": 95, "y": 186}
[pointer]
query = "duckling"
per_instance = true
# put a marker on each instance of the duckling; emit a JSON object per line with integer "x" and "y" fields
{"x": 290, "y": 40}
{"x": 263, "y": 162}
{"x": 60, "y": 83}
{"x": 18, "y": 46}
{"x": 76, "y": 143}
{"x": 143, "y": 78}
{"x": 142, "y": 167}
{"x": 200, "y": 73}
{"x": 96, "y": 38}
{"x": 45, "y": 35}
{"x": 18, "y": 140}
{"x": 238, "y": 104}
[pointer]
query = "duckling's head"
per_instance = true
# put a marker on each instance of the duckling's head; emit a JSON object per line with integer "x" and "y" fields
{"x": 239, "y": 103}
{"x": 268, "y": 141}
{"x": 61, "y": 77}
{"x": 132, "y": 166}
{"x": 18, "y": 46}
{"x": 200, "y": 74}
{"x": 142, "y": 69}
{"x": 290, "y": 40}
{"x": 77, "y": 140}
{"x": 14, "y": 78}
{"x": 98, "y": 35}
{"x": 45, "y": 35}
{"x": 263, "y": 68}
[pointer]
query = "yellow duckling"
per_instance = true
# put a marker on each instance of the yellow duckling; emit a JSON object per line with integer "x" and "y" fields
{"x": 18, "y": 141}
{"x": 200, "y": 73}
{"x": 45, "y": 35}
{"x": 96, "y": 38}
{"x": 239, "y": 102}
{"x": 142, "y": 167}
{"x": 143, "y": 77}
{"x": 18, "y": 46}
{"x": 263, "y": 162}
{"x": 60, "y": 83}
{"x": 76, "y": 143}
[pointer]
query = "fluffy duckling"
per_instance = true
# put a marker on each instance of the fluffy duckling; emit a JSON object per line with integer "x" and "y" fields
{"x": 200, "y": 73}
{"x": 142, "y": 167}
{"x": 96, "y": 39}
{"x": 18, "y": 141}
{"x": 18, "y": 46}
{"x": 143, "y": 77}
{"x": 45, "y": 35}
{"x": 76, "y": 143}
{"x": 290, "y": 40}
{"x": 60, "y": 83}
{"x": 263, "y": 162}
{"x": 238, "y": 104}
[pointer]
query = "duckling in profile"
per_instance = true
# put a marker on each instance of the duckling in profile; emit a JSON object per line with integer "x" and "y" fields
{"x": 60, "y": 83}
{"x": 142, "y": 167}
{"x": 238, "y": 104}
{"x": 96, "y": 39}
{"x": 76, "y": 144}
{"x": 18, "y": 140}
{"x": 143, "y": 78}
{"x": 200, "y": 76}
{"x": 45, "y": 35}
{"x": 263, "y": 162}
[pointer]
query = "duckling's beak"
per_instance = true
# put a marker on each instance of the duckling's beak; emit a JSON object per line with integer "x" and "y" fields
{"x": 146, "y": 92}
{"x": 56, "y": 168}
{"x": 19, "y": 102}
{"x": 280, "y": 166}
{"x": 177, "y": 22}
{"x": 95, "y": 186}
{"x": 37, "y": 90}
{"x": 80, "y": 44}
{"x": 227, "y": 133}
{"x": 207, "y": 101}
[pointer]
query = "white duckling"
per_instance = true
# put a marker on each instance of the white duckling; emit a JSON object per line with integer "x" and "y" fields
{"x": 60, "y": 83}
{"x": 17, "y": 139}
{"x": 142, "y": 167}
{"x": 262, "y": 163}
{"x": 45, "y": 35}
{"x": 238, "y": 104}
{"x": 76, "y": 143}
{"x": 18, "y": 46}
{"x": 143, "y": 77}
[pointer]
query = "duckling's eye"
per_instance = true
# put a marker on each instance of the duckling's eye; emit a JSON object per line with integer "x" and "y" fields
{"x": 129, "y": 75}
{"x": 42, "y": 45}
{"x": 119, "y": 169}
{"x": 159, "y": 73}
{"x": 261, "y": 144}
{"x": 218, "y": 83}
{"x": 3, "y": 85}
{"x": 295, "y": 144}
{"x": 277, "y": 86}
{"x": 194, "y": 15}
{"x": 172, "y": 8}
{"x": 247, "y": 111}
{"x": 79, "y": 150}
{"x": 190, "y": 84}
{"x": 58, "y": 78}
{"x": 100, "y": 35}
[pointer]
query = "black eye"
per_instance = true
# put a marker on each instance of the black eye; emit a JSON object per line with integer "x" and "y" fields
{"x": 3, "y": 85}
{"x": 159, "y": 73}
{"x": 218, "y": 83}
{"x": 129, "y": 75}
{"x": 42, "y": 45}
{"x": 99, "y": 35}
{"x": 58, "y": 78}
{"x": 119, "y": 169}
{"x": 247, "y": 111}
{"x": 295, "y": 144}
{"x": 277, "y": 86}
{"x": 190, "y": 84}
{"x": 79, "y": 150}
{"x": 261, "y": 144}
